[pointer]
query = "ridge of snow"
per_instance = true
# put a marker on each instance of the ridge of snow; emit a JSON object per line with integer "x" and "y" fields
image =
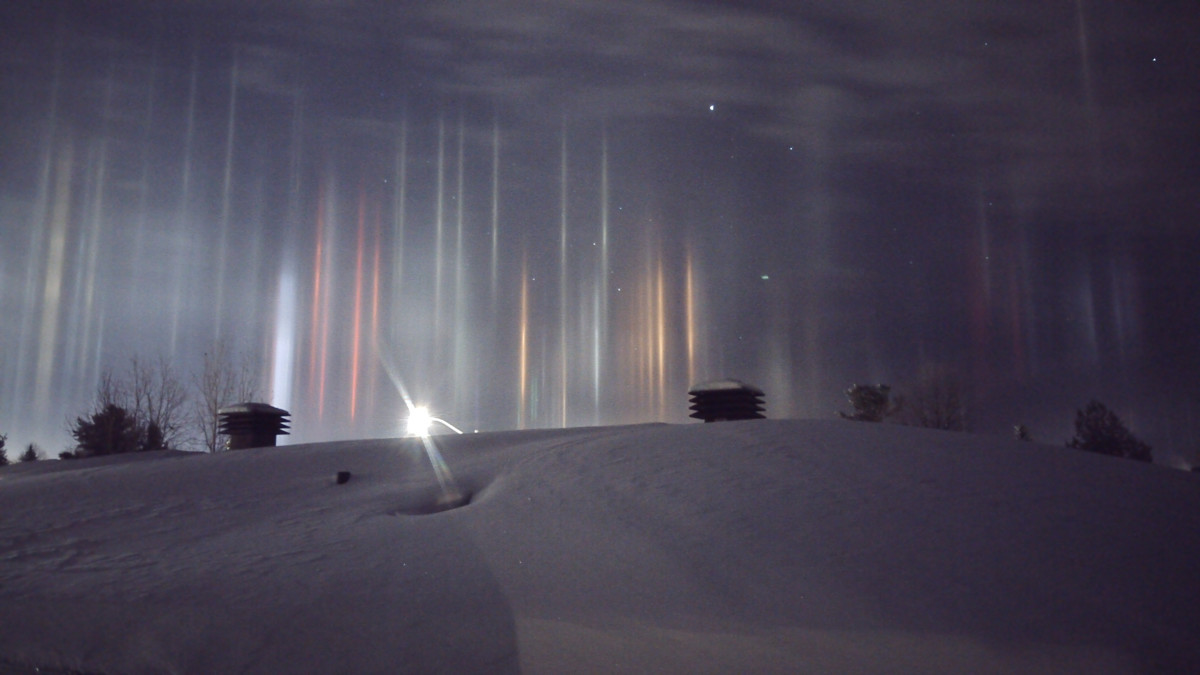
{"x": 766, "y": 546}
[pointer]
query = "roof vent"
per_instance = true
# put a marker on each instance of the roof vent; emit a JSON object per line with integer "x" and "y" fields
{"x": 251, "y": 425}
{"x": 725, "y": 400}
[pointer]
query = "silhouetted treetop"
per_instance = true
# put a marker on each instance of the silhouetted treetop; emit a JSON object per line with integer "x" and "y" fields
{"x": 109, "y": 431}
{"x": 1098, "y": 429}
{"x": 871, "y": 403}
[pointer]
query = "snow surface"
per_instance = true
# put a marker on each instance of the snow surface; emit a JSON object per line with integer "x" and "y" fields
{"x": 756, "y": 546}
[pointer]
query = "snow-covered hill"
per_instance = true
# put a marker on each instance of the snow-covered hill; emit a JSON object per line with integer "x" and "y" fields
{"x": 759, "y": 546}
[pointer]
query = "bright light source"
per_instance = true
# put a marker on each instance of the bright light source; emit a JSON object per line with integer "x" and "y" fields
{"x": 419, "y": 421}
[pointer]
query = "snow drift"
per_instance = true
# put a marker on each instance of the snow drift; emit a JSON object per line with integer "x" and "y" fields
{"x": 758, "y": 546}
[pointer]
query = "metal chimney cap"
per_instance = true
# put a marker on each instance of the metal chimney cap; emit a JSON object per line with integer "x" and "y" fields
{"x": 724, "y": 400}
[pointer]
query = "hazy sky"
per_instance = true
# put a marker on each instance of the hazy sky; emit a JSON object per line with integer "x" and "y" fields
{"x": 532, "y": 214}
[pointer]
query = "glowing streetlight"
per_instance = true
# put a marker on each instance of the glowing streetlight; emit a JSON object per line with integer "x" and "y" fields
{"x": 420, "y": 421}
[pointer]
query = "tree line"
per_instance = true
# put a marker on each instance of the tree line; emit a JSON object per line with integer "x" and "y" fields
{"x": 936, "y": 401}
{"x": 150, "y": 406}
{"x": 31, "y": 454}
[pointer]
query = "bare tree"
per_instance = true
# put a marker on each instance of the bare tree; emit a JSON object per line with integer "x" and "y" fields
{"x": 159, "y": 401}
{"x": 935, "y": 401}
{"x": 111, "y": 390}
{"x": 221, "y": 382}
{"x": 151, "y": 397}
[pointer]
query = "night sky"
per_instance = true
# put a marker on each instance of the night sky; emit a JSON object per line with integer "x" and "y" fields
{"x": 538, "y": 214}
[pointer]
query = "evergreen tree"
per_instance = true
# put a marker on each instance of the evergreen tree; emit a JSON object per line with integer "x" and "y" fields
{"x": 152, "y": 439}
{"x": 872, "y": 403}
{"x": 31, "y": 454}
{"x": 3, "y": 452}
{"x": 110, "y": 431}
{"x": 1098, "y": 429}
